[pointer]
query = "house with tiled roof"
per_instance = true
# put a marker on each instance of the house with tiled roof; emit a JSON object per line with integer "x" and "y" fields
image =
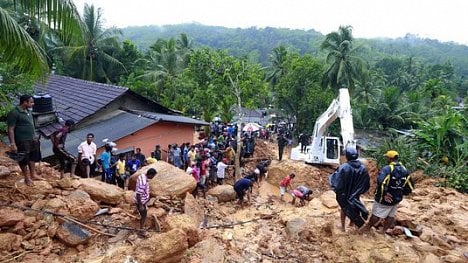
{"x": 114, "y": 113}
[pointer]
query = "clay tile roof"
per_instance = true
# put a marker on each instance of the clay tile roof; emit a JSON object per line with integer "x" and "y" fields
{"x": 77, "y": 99}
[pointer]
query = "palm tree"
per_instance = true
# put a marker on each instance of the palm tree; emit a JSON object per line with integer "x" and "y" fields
{"x": 277, "y": 59}
{"x": 163, "y": 58}
{"x": 344, "y": 65}
{"x": 18, "y": 47}
{"x": 368, "y": 86}
{"x": 163, "y": 64}
{"x": 392, "y": 110}
{"x": 185, "y": 48}
{"x": 91, "y": 56}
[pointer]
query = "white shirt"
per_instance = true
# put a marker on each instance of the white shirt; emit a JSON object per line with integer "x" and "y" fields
{"x": 221, "y": 169}
{"x": 87, "y": 151}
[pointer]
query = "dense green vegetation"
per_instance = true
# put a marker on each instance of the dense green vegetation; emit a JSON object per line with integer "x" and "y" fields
{"x": 407, "y": 83}
{"x": 257, "y": 43}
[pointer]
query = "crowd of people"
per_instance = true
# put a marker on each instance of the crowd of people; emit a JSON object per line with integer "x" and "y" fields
{"x": 207, "y": 162}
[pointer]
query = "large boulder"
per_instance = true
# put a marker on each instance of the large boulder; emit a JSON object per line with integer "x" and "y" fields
{"x": 165, "y": 248}
{"x": 329, "y": 200}
{"x": 193, "y": 209}
{"x": 224, "y": 193}
{"x": 72, "y": 234}
{"x": 80, "y": 205}
{"x": 168, "y": 247}
{"x": 207, "y": 251}
{"x": 102, "y": 192}
{"x": 187, "y": 224}
{"x": 9, "y": 241}
{"x": 9, "y": 217}
{"x": 170, "y": 181}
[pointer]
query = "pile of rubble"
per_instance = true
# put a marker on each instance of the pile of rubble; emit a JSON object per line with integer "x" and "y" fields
{"x": 85, "y": 220}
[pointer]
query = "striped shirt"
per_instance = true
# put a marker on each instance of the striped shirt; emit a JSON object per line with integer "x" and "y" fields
{"x": 142, "y": 188}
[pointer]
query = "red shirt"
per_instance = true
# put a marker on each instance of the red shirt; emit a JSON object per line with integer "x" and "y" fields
{"x": 286, "y": 181}
{"x": 204, "y": 167}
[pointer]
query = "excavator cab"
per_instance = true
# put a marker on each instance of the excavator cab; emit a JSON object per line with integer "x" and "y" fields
{"x": 332, "y": 148}
{"x": 325, "y": 149}
{"x": 328, "y": 153}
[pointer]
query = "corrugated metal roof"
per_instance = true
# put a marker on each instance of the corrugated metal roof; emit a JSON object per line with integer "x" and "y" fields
{"x": 169, "y": 118}
{"x": 113, "y": 128}
{"x": 77, "y": 99}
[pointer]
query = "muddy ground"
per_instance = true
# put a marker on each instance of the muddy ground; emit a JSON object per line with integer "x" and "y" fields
{"x": 205, "y": 230}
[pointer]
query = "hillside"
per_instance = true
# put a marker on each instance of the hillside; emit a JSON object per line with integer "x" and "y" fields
{"x": 257, "y": 43}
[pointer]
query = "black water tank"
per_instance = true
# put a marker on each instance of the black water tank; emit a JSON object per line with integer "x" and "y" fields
{"x": 42, "y": 103}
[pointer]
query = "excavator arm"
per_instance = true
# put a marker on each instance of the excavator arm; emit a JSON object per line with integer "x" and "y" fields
{"x": 324, "y": 149}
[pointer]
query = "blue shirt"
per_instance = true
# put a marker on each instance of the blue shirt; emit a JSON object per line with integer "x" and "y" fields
{"x": 242, "y": 185}
{"x": 105, "y": 159}
{"x": 133, "y": 164}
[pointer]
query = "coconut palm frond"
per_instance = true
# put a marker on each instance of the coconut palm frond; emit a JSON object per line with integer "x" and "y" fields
{"x": 18, "y": 48}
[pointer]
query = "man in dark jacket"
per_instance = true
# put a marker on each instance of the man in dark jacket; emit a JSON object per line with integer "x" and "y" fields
{"x": 393, "y": 182}
{"x": 349, "y": 182}
{"x": 282, "y": 142}
{"x": 304, "y": 140}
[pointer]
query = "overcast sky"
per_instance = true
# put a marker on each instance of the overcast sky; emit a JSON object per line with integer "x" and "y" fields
{"x": 445, "y": 20}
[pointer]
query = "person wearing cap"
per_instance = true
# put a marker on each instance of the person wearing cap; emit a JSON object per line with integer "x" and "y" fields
{"x": 393, "y": 182}
{"x": 142, "y": 196}
{"x": 349, "y": 182}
